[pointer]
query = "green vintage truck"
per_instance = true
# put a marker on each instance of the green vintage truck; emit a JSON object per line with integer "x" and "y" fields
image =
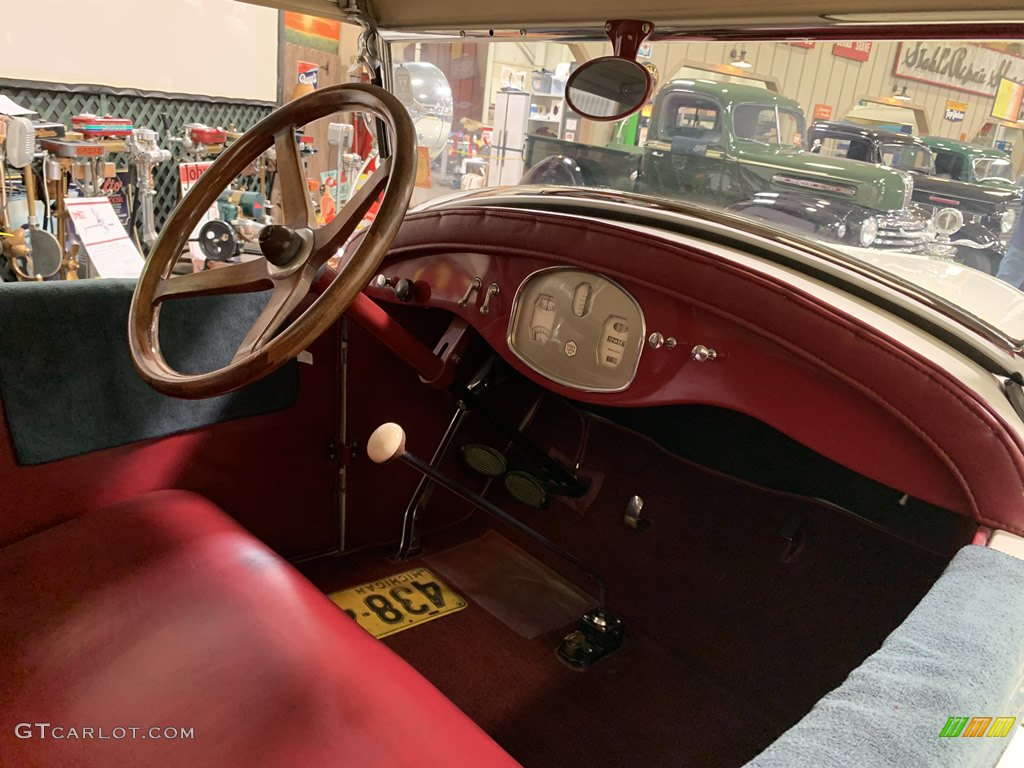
{"x": 975, "y": 165}
{"x": 741, "y": 148}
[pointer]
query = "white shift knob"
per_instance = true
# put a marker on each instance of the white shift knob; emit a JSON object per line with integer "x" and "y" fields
{"x": 386, "y": 443}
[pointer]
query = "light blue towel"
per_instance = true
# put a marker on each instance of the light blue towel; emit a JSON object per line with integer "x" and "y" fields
{"x": 960, "y": 653}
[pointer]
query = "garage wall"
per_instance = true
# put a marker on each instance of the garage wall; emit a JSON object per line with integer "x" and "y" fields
{"x": 203, "y": 47}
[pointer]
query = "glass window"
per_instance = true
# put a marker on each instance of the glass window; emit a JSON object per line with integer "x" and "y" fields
{"x": 854, "y": 149}
{"x": 992, "y": 168}
{"x": 692, "y": 117}
{"x": 768, "y": 124}
{"x": 907, "y": 157}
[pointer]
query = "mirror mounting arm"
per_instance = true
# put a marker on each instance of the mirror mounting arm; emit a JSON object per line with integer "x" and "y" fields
{"x": 627, "y": 35}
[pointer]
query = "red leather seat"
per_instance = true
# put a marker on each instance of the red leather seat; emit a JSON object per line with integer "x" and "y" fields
{"x": 164, "y": 613}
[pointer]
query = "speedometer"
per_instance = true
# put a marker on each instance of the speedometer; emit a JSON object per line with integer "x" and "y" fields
{"x": 578, "y": 329}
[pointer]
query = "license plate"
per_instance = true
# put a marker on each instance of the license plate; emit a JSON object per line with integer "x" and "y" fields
{"x": 394, "y": 603}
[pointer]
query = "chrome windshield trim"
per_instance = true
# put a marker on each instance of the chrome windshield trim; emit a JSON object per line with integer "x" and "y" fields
{"x": 738, "y": 230}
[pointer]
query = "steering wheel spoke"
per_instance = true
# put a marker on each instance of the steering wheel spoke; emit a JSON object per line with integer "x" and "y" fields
{"x": 245, "y": 277}
{"x": 286, "y": 296}
{"x": 297, "y": 207}
{"x": 330, "y": 237}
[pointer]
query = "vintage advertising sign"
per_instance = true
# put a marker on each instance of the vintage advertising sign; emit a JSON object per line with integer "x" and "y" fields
{"x": 188, "y": 174}
{"x": 307, "y": 73}
{"x": 822, "y": 112}
{"x": 955, "y": 111}
{"x": 1009, "y": 104}
{"x": 958, "y": 65}
{"x": 855, "y": 50}
{"x": 312, "y": 32}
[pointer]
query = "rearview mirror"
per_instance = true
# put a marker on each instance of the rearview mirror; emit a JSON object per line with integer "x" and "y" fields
{"x": 608, "y": 88}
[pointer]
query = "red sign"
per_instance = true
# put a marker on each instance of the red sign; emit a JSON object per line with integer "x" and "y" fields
{"x": 852, "y": 49}
{"x": 801, "y": 44}
{"x": 822, "y": 112}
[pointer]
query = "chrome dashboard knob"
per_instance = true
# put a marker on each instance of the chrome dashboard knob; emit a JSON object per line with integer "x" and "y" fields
{"x": 703, "y": 354}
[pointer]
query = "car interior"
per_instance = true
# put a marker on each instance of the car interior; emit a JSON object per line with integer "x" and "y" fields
{"x": 748, "y": 464}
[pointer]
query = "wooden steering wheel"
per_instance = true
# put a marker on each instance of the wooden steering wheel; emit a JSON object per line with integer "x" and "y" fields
{"x": 293, "y": 250}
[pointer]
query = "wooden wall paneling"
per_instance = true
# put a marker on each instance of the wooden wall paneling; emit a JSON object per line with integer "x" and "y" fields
{"x": 333, "y": 70}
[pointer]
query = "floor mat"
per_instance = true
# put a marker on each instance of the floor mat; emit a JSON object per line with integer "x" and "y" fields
{"x": 520, "y": 591}
{"x": 391, "y": 604}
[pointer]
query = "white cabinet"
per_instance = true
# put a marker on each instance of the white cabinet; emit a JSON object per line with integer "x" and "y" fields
{"x": 511, "y": 113}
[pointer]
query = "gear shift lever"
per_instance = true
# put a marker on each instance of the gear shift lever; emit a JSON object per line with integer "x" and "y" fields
{"x": 387, "y": 443}
{"x": 599, "y": 631}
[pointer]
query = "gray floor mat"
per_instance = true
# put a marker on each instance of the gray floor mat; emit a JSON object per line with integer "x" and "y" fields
{"x": 514, "y": 587}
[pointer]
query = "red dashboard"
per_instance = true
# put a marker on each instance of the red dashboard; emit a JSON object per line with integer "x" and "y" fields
{"x": 762, "y": 348}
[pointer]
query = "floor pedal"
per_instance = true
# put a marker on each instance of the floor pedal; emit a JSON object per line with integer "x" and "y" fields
{"x": 526, "y": 489}
{"x": 487, "y": 461}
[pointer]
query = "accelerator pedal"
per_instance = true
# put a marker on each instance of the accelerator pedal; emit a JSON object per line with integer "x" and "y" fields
{"x": 526, "y": 489}
{"x": 485, "y": 460}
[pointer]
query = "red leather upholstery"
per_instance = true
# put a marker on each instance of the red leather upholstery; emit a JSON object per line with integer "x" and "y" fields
{"x": 788, "y": 358}
{"x": 162, "y": 612}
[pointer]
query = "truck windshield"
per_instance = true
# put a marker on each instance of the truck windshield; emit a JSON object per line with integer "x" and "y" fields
{"x": 992, "y": 168}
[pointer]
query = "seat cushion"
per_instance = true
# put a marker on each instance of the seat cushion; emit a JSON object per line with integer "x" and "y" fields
{"x": 164, "y": 613}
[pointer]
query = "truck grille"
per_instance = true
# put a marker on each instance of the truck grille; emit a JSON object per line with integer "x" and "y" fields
{"x": 904, "y": 230}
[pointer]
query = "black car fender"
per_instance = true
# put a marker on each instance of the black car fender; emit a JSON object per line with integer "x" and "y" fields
{"x": 826, "y": 219}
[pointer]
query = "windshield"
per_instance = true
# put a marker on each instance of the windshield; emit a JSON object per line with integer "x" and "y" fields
{"x": 726, "y": 127}
{"x": 907, "y": 157}
{"x": 993, "y": 168}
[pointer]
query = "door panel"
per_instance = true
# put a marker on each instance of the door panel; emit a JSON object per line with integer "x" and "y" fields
{"x": 272, "y": 466}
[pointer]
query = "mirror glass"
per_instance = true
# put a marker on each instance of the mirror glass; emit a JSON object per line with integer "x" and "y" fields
{"x": 608, "y": 88}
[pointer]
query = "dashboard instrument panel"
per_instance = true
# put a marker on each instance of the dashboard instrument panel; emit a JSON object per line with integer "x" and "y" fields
{"x": 577, "y": 328}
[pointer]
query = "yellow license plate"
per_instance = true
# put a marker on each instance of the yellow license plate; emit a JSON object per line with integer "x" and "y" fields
{"x": 394, "y": 603}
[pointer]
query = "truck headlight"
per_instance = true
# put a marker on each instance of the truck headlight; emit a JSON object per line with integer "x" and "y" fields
{"x": 1007, "y": 219}
{"x": 868, "y": 232}
{"x": 947, "y": 221}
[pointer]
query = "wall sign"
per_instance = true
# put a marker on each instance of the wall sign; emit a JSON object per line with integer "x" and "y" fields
{"x": 1009, "y": 104}
{"x": 855, "y": 50}
{"x": 822, "y": 112}
{"x": 801, "y": 44}
{"x": 957, "y": 65}
{"x": 312, "y": 32}
{"x": 307, "y": 73}
{"x": 955, "y": 111}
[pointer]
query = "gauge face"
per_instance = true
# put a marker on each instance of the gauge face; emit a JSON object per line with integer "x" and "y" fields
{"x": 581, "y": 299}
{"x": 578, "y": 329}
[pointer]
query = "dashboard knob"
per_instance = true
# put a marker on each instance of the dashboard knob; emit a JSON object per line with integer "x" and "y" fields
{"x": 703, "y": 354}
{"x": 405, "y": 289}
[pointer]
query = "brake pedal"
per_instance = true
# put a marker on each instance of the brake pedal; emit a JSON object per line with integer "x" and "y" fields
{"x": 483, "y": 459}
